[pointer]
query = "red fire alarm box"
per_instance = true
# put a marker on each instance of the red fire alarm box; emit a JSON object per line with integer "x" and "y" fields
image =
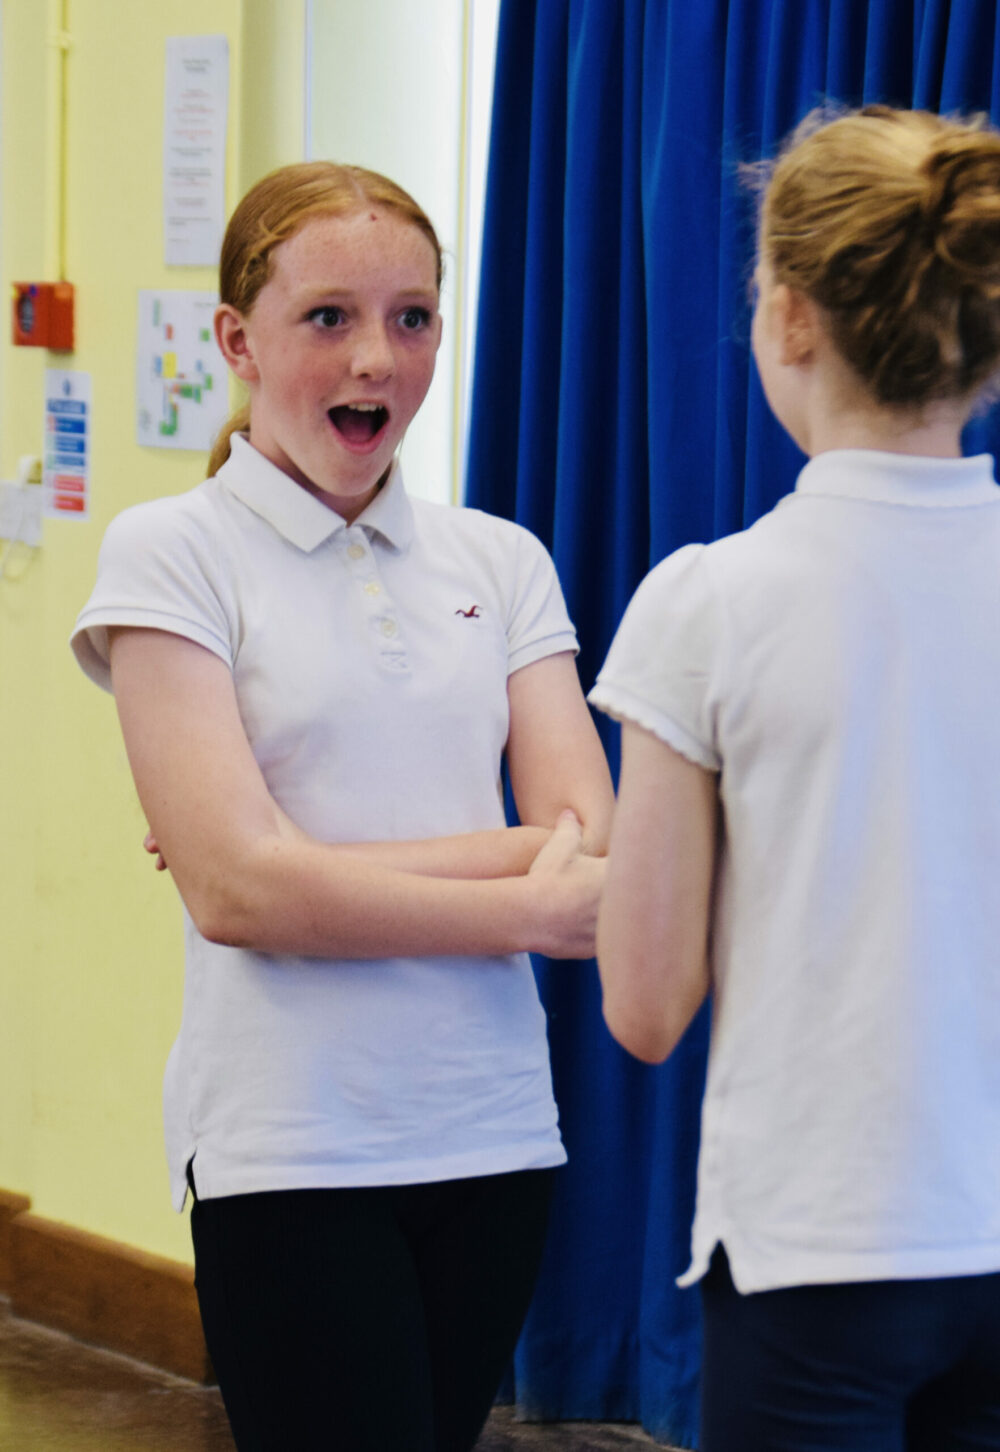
{"x": 43, "y": 315}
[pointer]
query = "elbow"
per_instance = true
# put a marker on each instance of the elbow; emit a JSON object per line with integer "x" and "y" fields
{"x": 235, "y": 891}
{"x": 222, "y": 915}
{"x": 217, "y": 924}
{"x": 645, "y": 1036}
{"x": 648, "y": 1013}
{"x": 222, "y": 929}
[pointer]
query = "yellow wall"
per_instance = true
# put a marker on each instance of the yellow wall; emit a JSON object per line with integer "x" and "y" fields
{"x": 90, "y": 941}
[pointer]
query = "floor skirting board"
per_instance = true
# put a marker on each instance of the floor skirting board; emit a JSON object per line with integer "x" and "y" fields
{"x": 101, "y": 1291}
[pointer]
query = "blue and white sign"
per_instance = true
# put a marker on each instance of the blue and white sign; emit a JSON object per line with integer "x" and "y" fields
{"x": 66, "y": 466}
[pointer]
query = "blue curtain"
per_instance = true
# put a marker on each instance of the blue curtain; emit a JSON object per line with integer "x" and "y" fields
{"x": 616, "y": 414}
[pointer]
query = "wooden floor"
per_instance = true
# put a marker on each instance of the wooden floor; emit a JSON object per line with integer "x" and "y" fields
{"x": 57, "y": 1395}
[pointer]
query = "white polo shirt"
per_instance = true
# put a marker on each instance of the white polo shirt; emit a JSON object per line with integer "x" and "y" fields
{"x": 839, "y": 664}
{"x": 370, "y": 664}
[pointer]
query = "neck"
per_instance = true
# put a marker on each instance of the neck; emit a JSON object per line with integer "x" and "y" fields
{"x": 841, "y": 414}
{"x": 889, "y": 430}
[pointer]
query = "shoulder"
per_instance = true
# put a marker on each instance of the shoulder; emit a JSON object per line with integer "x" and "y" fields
{"x": 684, "y": 579}
{"x": 160, "y": 567}
{"x": 672, "y": 621}
{"x": 175, "y": 517}
{"x": 664, "y": 662}
{"x": 696, "y": 572}
{"x": 715, "y": 569}
{"x": 501, "y": 549}
{"x": 475, "y": 525}
{"x": 179, "y": 533}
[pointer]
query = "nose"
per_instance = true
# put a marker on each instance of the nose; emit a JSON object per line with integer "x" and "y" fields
{"x": 373, "y": 356}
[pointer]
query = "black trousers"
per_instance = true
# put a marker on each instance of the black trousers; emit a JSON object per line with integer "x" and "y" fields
{"x": 885, "y": 1366}
{"x": 367, "y": 1320}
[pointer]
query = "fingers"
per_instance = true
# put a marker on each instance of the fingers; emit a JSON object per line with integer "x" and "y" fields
{"x": 151, "y": 845}
{"x": 565, "y": 843}
{"x": 568, "y": 819}
{"x": 573, "y": 903}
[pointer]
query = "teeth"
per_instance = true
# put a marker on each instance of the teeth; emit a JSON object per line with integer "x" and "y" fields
{"x": 365, "y": 407}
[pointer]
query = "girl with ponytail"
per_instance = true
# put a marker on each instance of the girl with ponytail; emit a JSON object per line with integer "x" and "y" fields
{"x": 318, "y": 679}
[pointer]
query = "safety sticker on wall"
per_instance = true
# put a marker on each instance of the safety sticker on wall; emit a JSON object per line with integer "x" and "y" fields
{"x": 66, "y": 475}
{"x": 181, "y": 381}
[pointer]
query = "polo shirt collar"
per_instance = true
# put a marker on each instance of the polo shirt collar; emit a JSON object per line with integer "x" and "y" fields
{"x": 299, "y": 516}
{"x": 885, "y": 478}
{"x": 390, "y": 513}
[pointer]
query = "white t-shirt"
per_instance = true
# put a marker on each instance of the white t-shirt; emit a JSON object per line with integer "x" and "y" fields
{"x": 371, "y": 665}
{"x": 839, "y": 664}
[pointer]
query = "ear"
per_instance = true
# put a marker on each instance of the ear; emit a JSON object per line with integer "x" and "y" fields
{"x": 234, "y": 342}
{"x": 796, "y": 324}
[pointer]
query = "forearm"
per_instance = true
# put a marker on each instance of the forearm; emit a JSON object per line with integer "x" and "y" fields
{"x": 500, "y": 852}
{"x": 505, "y": 852}
{"x": 298, "y": 897}
{"x": 249, "y": 877}
{"x": 653, "y": 925}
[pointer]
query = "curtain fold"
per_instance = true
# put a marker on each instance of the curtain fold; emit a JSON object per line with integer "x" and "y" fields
{"x": 617, "y": 414}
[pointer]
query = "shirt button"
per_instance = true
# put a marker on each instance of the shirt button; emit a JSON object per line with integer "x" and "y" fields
{"x": 373, "y": 588}
{"x": 356, "y": 551}
{"x": 388, "y": 627}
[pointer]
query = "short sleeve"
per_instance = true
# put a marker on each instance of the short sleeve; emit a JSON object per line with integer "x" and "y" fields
{"x": 157, "y": 569}
{"x": 663, "y": 667}
{"x": 538, "y": 623}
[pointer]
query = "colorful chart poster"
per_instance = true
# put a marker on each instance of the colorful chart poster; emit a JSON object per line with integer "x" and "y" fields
{"x": 66, "y": 466}
{"x": 196, "y": 97}
{"x": 181, "y": 388}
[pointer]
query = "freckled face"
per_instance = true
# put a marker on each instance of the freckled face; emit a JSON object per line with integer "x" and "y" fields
{"x": 338, "y": 351}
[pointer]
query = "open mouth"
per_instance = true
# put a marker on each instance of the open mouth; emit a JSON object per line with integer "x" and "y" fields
{"x": 359, "y": 423}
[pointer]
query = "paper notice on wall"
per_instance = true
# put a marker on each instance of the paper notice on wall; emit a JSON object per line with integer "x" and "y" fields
{"x": 181, "y": 381}
{"x": 194, "y": 149}
{"x": 66, "y": 466}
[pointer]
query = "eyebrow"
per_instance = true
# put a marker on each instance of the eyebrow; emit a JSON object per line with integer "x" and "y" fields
{"x": 341, "y": 294}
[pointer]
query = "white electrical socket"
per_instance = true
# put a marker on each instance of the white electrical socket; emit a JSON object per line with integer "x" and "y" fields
{"x": 20, "y": 512}
{"x": 29, "y": 469}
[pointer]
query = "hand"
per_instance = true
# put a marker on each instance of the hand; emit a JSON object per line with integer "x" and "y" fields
{"x": 152, "y": 847}
{"x": 569, "y": 884}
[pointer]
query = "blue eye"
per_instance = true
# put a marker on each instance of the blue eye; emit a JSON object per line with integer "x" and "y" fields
{"x": 327, "y": 317}
{"x": 415, "y": 318}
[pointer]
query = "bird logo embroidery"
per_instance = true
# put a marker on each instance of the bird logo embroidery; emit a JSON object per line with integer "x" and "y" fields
{"x": 471, "y": 614}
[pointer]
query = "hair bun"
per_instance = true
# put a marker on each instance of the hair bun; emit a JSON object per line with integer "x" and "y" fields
{"x": 890, "y": 221}
{"x": 961, "y": 207}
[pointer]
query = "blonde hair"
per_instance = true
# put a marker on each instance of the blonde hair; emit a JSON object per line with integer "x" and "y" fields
{"x": 890, "y": 221}
{"x": 273, "y": 211}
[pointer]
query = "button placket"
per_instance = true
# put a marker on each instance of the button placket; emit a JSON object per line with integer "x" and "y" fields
{"x": 375, "y": 600}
